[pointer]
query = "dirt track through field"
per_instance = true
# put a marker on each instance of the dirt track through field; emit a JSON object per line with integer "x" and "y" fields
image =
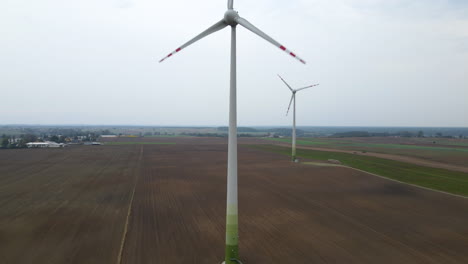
{"x": 64, "y": 205}
{"x": 288, "y": 212}
{"x": 407, "y": 159}
{"x": 129, "y": 211}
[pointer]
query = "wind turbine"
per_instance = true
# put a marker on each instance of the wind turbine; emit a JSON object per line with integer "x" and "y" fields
{"x": 232, "y": 18}
{"x": 293, "y": 98}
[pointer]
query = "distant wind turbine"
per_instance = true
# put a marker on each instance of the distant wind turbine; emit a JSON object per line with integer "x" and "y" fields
{"x": 232, "y": 18}
{"x": 293, "y": 98}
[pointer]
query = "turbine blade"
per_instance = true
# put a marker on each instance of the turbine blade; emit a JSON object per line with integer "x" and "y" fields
{"x": 230, "y": 4}
{"x": 243, "y": 22}
{"x": 290, "y": 102}
{"x": 286, "y": 83}
{"x": 307, "y": 87}
{"x": 216, "y": 27}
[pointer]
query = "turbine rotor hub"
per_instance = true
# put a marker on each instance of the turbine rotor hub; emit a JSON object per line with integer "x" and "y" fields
{"x": 230, "y": 17}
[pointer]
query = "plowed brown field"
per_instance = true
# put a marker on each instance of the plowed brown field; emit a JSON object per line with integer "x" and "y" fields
{"x": 64, "y": 205}
{"x": 70, "y": 206}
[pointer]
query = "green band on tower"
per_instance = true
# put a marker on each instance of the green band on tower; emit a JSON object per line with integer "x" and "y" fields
{"x": 232, "y": 234}
{"x": 232, "y": 252}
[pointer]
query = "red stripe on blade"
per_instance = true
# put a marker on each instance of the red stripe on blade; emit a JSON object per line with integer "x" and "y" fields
{"x": 292, "y": 54}
{"x": 177, "y": 50}
{"x": 283, "y": 48}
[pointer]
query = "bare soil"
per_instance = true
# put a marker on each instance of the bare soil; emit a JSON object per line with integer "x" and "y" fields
{"x": 70, "y": 206}
{"x": 64, "y": 205}
{"x": 289, "y": 212}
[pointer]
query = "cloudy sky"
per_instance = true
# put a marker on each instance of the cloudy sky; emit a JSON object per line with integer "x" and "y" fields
{"x": 378, "y": 62}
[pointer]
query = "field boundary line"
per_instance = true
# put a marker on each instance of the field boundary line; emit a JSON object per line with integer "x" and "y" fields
{"x": 411, "y": 184}
{"x": 394, "y": 157}
{"x": 383, "y": 177}
{"x": 124, "y": 235}
{"x": 390, "y": 179}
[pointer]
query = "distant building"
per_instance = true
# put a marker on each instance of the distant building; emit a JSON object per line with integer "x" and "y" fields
{"x": 108, "y": 136}
{"x": 92, "y": 143}
{"x": 47, "y": 144}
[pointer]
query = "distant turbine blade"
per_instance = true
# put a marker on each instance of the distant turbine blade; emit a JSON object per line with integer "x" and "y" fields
{"x": 243, "y": 22}
{"x": 307, "y": 87}
{"x": 230, "y": 4}
{"x": 216, "y": 27}
{"x": 286, "y": 83}
{"x": 290, "y": 102}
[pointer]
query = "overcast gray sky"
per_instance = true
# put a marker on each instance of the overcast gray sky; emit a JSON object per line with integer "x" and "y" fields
{"x": 378, "y": 62}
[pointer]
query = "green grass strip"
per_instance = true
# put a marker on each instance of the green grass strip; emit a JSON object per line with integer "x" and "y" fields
{"x": 137, "y": 143}
{"x": 339, "y": 143}
{"x": 168, "y": 136}
{"x": 438, "y": 179}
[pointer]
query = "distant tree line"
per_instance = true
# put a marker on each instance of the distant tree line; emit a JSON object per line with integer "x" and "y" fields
{"x": 59, "y": 135}
{"x": 204, "y": 134}
{"x": 10, "y": 142}
{"x": 17, "y": 136}
{"x": 221, "y": 135}
{"x": 286, "y": 132}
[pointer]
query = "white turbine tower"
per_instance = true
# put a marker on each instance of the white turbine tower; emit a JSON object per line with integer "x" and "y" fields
{"x": 232, "y": 18}
{"x": 293, "y": 98}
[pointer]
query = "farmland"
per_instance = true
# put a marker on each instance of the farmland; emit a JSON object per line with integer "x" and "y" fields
{"x": 438, "y": 179}
{"x": 72, "y": 206}
{"x": 115, "y": 143}
{"x": 449, "y": 151}
{"x": 65, "y": 205}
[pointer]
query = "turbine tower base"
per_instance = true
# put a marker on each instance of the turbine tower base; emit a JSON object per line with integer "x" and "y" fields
{"x": 235, "y": 260}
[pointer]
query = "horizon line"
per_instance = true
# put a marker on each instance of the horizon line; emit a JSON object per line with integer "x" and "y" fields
{"x": 204, "y": 126}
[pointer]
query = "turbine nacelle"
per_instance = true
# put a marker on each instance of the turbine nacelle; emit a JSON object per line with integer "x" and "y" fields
{"x": 294, "y": 91}
{"x": 230, "y": 17}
